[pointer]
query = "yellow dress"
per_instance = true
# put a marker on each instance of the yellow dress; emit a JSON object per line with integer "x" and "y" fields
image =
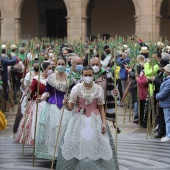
{"x": 3, "y": 121}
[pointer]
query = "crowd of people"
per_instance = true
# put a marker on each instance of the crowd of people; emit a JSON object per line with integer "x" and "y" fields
{"x": 66, "y": 92}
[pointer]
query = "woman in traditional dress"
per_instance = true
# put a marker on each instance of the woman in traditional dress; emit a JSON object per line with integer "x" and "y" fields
{"x": 87, "y": 142}
{"x": 57, "y": 86}
{"x": 25, "y": 131}
{"x": 25, "y": 85}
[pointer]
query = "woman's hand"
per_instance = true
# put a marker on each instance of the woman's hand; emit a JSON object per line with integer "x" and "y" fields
{"x": 115, "y": 92}
{"x": 38, "y": 100}
{"x": 65, "y": 102}
{"x": 103, "y": 128}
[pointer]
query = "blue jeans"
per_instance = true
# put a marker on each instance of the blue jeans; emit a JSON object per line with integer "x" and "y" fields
{"x": 135, "y": 105}
{"x": 167, "y": 120}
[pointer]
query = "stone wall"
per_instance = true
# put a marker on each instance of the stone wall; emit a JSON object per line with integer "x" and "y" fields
{"x": 147, "y": 19}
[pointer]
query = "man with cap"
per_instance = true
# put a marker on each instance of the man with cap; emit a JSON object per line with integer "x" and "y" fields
{"x": 164, "y": 101}
{"x": 16, "y": 72}
{"x": 159, "y": 131}
{"x": 144, "y": 51}
{"x": 13, "y": 48}
{"x": 4, "y": 74}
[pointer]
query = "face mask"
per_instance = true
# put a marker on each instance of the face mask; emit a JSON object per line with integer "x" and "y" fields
{"x": 61, "y": 69}
{"x": 96, "y": 69}
{"x": 53, "y": 68}
{"x": 69, "y": 63}
{"x": 49, "y": 72}
{"x": 51, "y": 54}
{"x": 36, "y": 69}
{"x": 79, "y": 68}
{"x": 88, "y": 80}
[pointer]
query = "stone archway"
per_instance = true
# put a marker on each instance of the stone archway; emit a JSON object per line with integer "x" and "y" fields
{"x": 164, "y": 12}
{"x": 42, "y": 12}
{"x": 118, "y": 19}
{"x": 87, "y": 8}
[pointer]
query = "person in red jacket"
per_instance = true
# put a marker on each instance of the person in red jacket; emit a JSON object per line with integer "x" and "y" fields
{"x": 143, "y": 91}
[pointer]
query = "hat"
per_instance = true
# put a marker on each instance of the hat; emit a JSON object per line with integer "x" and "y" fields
{"x": 168, "y": 49}
{"x": 160, "y": 44}
{"x": 166, "y": 56}
{"x": 13, "y": 47}
{"x": 163, "y": 63}
{"x": 167, "y": 68}
{"x": 125, "y": 47}
{"x": 144, "y": 50}
{"x": 3, "y": 46}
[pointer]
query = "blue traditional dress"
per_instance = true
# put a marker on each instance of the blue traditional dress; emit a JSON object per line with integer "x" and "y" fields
{"x": 50, "y": 117}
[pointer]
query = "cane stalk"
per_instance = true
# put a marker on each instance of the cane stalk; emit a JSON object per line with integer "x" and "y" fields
{"x": 52, "y": 165}
{"x": 36, "y": 116}
{"x": 115, "y": 98}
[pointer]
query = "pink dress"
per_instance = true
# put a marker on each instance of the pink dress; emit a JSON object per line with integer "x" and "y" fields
{"x": 84, "y": 138}
{"x": 83, "y": 146}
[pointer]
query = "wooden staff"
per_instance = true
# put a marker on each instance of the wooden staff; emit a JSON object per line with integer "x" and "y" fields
{"x": 36, "y": 116}
{"x": 115, "y": 97}
{"x": 52, "y": 165}
{"x": 125, "y": 107}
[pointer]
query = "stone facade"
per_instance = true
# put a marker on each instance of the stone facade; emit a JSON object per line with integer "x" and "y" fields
{"x": 147, "y": 18}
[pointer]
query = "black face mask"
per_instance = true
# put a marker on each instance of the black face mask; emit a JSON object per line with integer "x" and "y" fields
{"x": 53, "y": 68}
{"x": 69, "y": 63}
{"x": 36, "y": 69}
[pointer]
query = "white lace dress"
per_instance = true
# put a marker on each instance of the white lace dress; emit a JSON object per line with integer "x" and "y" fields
{"x": 83, "y": 143}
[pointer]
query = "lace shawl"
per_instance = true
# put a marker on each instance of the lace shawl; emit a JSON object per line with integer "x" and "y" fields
{"x": 80, "y": 91}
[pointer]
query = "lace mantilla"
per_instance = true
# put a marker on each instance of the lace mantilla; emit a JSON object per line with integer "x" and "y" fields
{"x": 89, "y": 95}
{"x": 42, "y": 79}
{"x": 84, "y": 139}
{"x": 61, "y": 86}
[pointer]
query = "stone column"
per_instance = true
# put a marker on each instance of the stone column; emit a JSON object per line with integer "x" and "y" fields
{"x": 157, "y": 26}
{"x": 68, "y": 27}
{"x": 147, "y": 20}
{"x": 136, "y": 24}
{"x": 84, "y": 28}
{"x": 8, "y": 29}
{"x": 1, "y": 22}
{"x": 75, "y": 26}
{"x": 17, "y": 22}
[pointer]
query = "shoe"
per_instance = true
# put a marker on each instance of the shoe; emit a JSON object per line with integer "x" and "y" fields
{"x": 165, "y": 139}
{"x": 143, "y": 125}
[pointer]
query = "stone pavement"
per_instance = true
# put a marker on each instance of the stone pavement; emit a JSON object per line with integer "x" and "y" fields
{"x": 135, "y": 152}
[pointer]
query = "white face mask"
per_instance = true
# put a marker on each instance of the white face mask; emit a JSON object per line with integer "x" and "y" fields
{"x": 88, "y": 80}
{"x": 49, "y": 72}
{"x": 96, "y": 69}
{"x": 51, "y": 55}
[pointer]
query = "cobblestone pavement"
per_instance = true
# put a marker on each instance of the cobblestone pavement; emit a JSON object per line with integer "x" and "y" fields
{"x": 135, "y": 152}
